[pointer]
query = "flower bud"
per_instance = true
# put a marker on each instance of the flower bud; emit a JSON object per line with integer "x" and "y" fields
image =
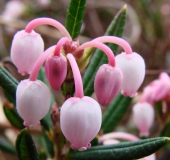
{"x": 133, "y": 69}
{"x": 26, "y": 49}
{"x": 56, "y": 70}
{"x": 80, "y": 121}
{"x": 33, "y": 101}
{"x": 143, "y": 116}
{"x": 107, "y": 83}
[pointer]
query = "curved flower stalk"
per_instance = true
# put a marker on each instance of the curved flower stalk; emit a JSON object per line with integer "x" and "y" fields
{"x": 27, "y": 45}
{"x": 80, "y": 117}
{"x": 108, "y": 79}
{"x": 56, "y": 66}
{"x": 143, "y": 117}
{"x": 33, "y": 96}
{"x": 130, "y": 63}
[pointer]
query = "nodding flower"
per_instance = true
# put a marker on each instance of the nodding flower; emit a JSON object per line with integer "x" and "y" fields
{"x": 143, "y": 117}
{"x": 133, "y": 67}
{"x": 25, "y": 50}
{"x": 27, "y": 45}
{"x": 56, "y": 66}
{"x": 33, "y": 100}
{"x": 80, "y": 116}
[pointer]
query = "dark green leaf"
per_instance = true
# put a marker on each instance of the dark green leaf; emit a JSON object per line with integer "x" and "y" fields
{"x": 74, "y": 17}
{"x": 122, "y": 151}
{"x": 25, "y": 146}
{"x": 115, "y": 112}
{"x": 6, "y": 146}
{"x": 13, "y": 116}
{"x": 116, "y": 28}
{"x": 8, "y": 83}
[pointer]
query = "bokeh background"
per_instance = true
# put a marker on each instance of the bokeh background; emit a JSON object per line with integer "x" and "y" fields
{"x": 147, "y": 30}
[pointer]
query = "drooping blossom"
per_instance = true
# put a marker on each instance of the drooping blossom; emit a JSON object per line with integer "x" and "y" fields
{"x": 80, "y": 116}
{"x": 25, "y": 50}
{"x": 143, "y": 117}
{"x": 56, "y": 66}
{"x": 33, "y": 101}
{"x": 133, "y": 68}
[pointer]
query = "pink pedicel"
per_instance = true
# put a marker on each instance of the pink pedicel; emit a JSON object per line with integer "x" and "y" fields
{"x": 80, "y": 121}
{"x": 143, "y": 116}
{"x": 107, "y": 83}
{"x": 25, "y": 50}
{"x": 33, "y": 101}
{"x": 133, "y": 69}
{"x": 56, "y": 70}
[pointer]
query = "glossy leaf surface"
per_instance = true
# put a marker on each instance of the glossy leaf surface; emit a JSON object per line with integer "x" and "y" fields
{"x": 75, "y": 14}
{"x": 122, "y": 151}
{"x": 25, "y": 146}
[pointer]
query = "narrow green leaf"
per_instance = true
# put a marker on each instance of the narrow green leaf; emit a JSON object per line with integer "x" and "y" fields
{"x": 13, "y": 116}
{"x": 123, "y": 151}
{"x": 75, "y": 14}
{"x": 6, "y": 146}
{"x": 115, "y": 112}
{"x": 116, "y": 28}
{"x": 8, "y": 83}
{"x": 25, "y": 146}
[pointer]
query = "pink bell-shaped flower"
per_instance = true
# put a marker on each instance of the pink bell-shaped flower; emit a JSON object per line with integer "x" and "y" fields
{"x": 33, "y": 101}
{"x": 25, "y": 50}
{"x": 161, "y": 87}
{"x": 80, "y": 121}
{"x": 143, "y": 116}
{"x": 107, "y": 83}
{"x": 148, "y": 95}
{"x": 56, "y": 70}
{"x": 133, "y": 69}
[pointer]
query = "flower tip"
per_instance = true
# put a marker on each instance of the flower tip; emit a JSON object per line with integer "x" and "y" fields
{"x": 81, "y": 148}
{"x": 31, "y": 124}
{"x": 128, "y": 94}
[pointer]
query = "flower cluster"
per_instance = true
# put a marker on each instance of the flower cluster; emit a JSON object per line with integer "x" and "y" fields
{"x": 80, "y": 116}
{"x": 143, "y": 111}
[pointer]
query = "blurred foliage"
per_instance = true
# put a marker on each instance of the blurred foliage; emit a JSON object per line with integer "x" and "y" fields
{"x": 153, "y": 43}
